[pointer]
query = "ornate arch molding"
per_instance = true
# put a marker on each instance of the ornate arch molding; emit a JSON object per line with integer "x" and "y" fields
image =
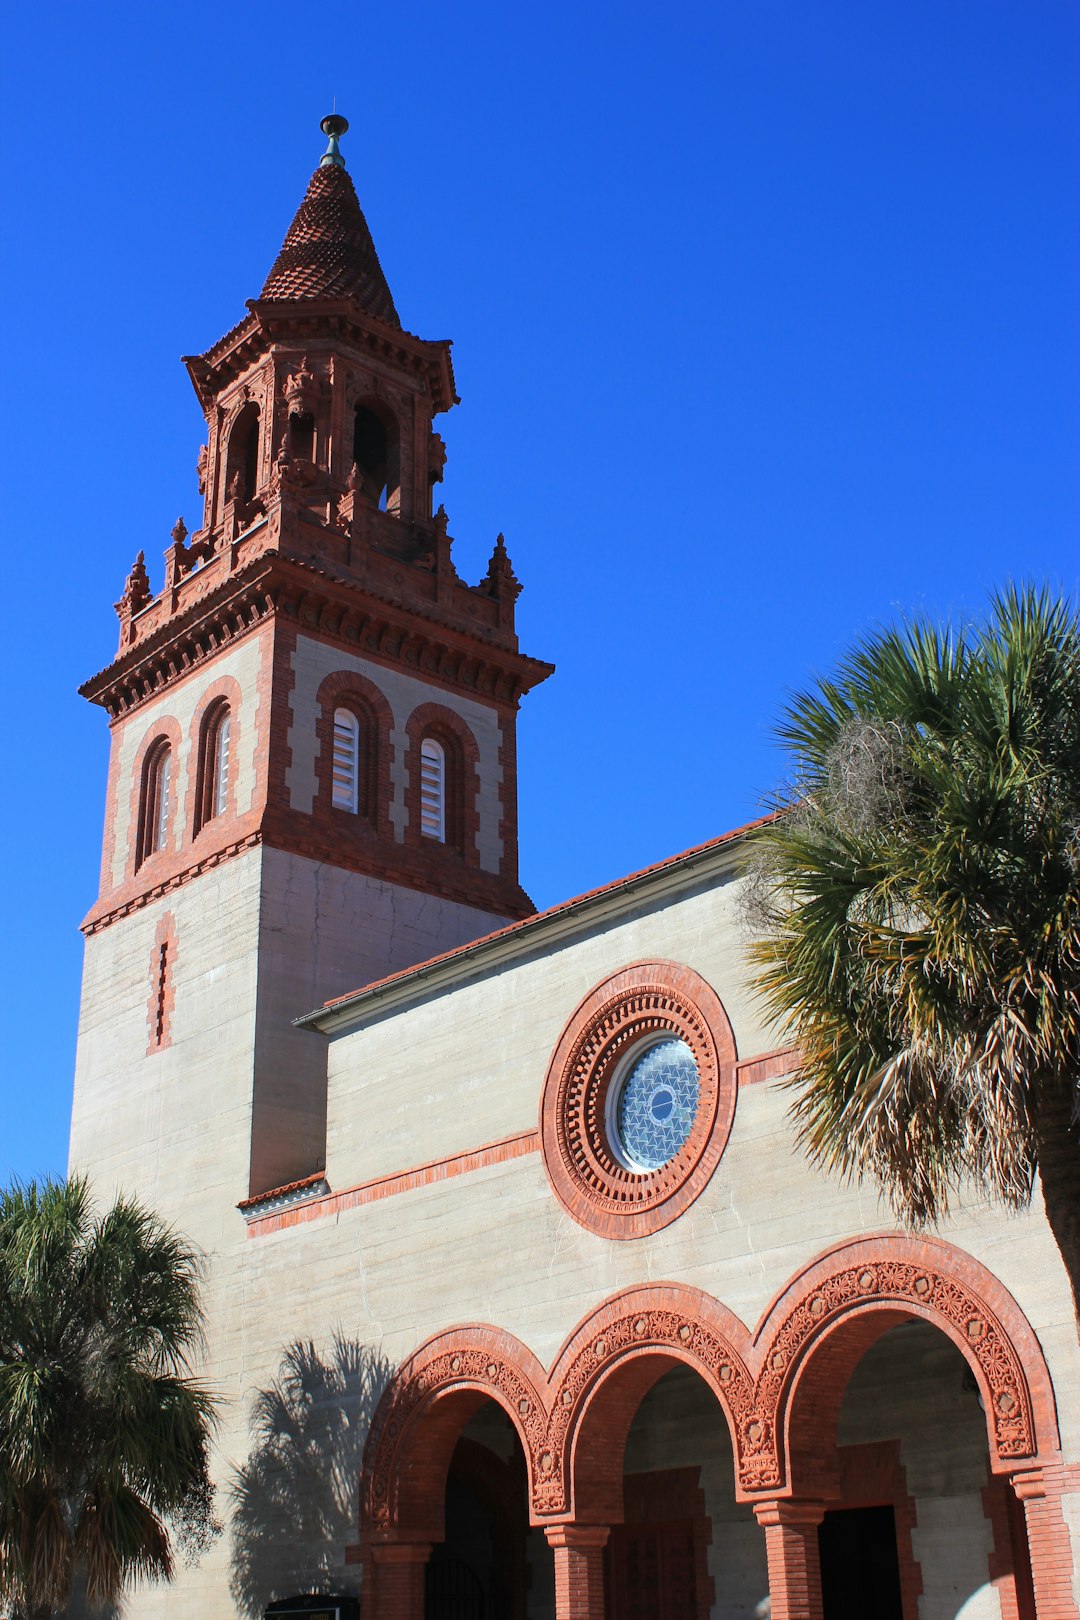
{"x": 617, "y": 1352}
{"x": 805, "y": 1349}
{"x": 868, "y": 1285}
{"x": 403, "y": 1471}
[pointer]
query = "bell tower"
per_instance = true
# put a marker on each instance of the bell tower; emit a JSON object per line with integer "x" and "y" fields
{"x": 313, "y": 771}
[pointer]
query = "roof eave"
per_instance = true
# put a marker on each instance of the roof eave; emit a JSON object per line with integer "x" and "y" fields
{"x": 556, "y": 926}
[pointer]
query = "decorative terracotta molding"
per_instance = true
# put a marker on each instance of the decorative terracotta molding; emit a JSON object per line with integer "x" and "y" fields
{"x": 98, "y": 920}
{"x": 649, "y": 999}
{"x": 162, "y": 985}
{"x": 755, "y": 1071}
{"x": 598, "y": 1378}
{"x": 370, "y": 1192}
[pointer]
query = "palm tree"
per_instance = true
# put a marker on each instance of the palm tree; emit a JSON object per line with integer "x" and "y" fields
{"x": 919, "y": 905}
{"x": 103, "y": 1433}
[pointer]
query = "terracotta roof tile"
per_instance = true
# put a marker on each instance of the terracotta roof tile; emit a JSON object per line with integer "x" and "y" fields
{"x": 281, "y": 1192}
{"x": 328, "y": 251}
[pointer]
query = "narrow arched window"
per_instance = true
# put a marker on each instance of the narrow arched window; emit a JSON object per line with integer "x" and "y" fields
{"x": 154, "y": 803}
{"x": 346, "y": 772}
{"x": 433, "y": 790}
{"x": 377, "y": 455}
{"x": 242, "y": 468}
{"x": 219, "y": 787}
{"x": 212, "y": 798}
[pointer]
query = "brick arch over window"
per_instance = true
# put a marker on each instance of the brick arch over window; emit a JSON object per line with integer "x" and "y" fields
{"x": 826, "y": 1318}
{"x": 422, "y": 1413}
{"x": 224, "y": 691}
{"x": 462, "y": 757}
{"x": 362, "y": 698}
{"x": 164, "y": 733}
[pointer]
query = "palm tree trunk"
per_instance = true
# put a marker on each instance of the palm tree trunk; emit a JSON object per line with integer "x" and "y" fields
{"x": 1059, "y": 1171}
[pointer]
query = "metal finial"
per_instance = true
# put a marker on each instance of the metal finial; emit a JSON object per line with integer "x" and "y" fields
{"x": 333, "y": 126}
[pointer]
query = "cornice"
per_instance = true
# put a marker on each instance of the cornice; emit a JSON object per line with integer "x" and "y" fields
{"x": 309, "y": 597}
{"x": 102, "y": 915}
{"x": 289, "y": 320}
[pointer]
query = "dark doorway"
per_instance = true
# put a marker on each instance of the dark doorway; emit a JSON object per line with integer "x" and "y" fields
{"x": 650, "y": 1572}
{"x": 452, "y": 1589}
{"x": 860, "y": 1568}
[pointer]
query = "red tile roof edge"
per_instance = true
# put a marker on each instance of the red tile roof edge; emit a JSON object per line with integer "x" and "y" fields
{"x": 539, "y": 917}
{"x": 279, "y": 1192}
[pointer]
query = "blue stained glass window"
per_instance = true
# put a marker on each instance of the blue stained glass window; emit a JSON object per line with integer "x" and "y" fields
{"x": 655, "y": 1104}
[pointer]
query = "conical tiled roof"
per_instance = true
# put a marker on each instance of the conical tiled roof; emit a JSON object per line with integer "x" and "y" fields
{"x": 328, "y": 251}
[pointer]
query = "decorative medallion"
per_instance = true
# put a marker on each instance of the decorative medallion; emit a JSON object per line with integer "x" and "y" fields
{"x": 639, "y": 1099}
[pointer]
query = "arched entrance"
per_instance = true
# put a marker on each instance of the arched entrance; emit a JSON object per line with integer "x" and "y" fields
{"x": 447, "y": 1483}
{"x": 914, "y": 1434}
{"x": 792, "y": 1407}
{"x": 488, "y": 1566}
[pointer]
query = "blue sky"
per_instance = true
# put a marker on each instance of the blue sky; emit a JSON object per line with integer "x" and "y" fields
{"x": 765, "y": 331}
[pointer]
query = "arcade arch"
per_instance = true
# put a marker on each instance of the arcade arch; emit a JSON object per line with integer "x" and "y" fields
{"x": 781, "y": 1405}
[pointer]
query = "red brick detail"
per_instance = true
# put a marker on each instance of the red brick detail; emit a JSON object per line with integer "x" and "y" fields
{"x": 275, "y": 708}
{"x": 102, "y": 916}
{"x": 462, "y": 785}
{"x": 872, "y": 1475}
{"x": 579, "y": 1570}
{"x": 641, "y": 1001}
{"x": 605, "y": 1369}
{"x": 421, "y": 1415}
{"x": 826, "y": 1318}
{"x": 1010, "y": 1560}
{"x": 200, "y": 827}
{"x": 162, "y": 985}
{"x": 791, "y": 1546}
{"x": 362, "y": 698}
{"x": 675, "y": 1493}
{"x": 369, "y": 1192}
{"x": 164, "y": 731}
{"x": 395, "y": 1570}
{"x": 108, "y": 843}
{"x": 767, "y": 1066}
{"x": 1040, "y": 1490}
{"x": 188, "y": 854}
{"x": 508, "y": 791}
{"x": 779, "y": 1388}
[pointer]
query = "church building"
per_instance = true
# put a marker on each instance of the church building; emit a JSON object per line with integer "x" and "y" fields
{"x": 523, "y": 1303}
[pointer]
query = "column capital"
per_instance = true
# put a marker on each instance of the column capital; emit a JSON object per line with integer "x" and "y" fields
{"x": 785, "y": 1510}
{"x": 577, "y": 1535}
{"x": 1038, "y": 1479}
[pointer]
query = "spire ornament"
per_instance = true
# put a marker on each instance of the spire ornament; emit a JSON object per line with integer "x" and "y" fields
{"x": 333, "y": 126}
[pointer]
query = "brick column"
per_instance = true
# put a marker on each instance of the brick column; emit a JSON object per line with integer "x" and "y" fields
{"x": 579, "y": 1570}
{"x": 791, "y": 1545}
{"x": 394, "y": 1580}
{"x": 1049, "y": 1544}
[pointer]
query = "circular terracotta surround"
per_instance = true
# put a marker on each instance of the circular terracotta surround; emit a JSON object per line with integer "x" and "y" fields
{"x": 642, "y": 1002}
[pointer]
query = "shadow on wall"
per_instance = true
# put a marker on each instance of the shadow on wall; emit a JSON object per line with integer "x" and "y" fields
{"x": 295, "y": 1501}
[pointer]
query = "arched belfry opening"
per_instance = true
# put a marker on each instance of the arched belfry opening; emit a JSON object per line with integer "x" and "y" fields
{"x": 376, "y": 454}
{"x": 242, "y": 467}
